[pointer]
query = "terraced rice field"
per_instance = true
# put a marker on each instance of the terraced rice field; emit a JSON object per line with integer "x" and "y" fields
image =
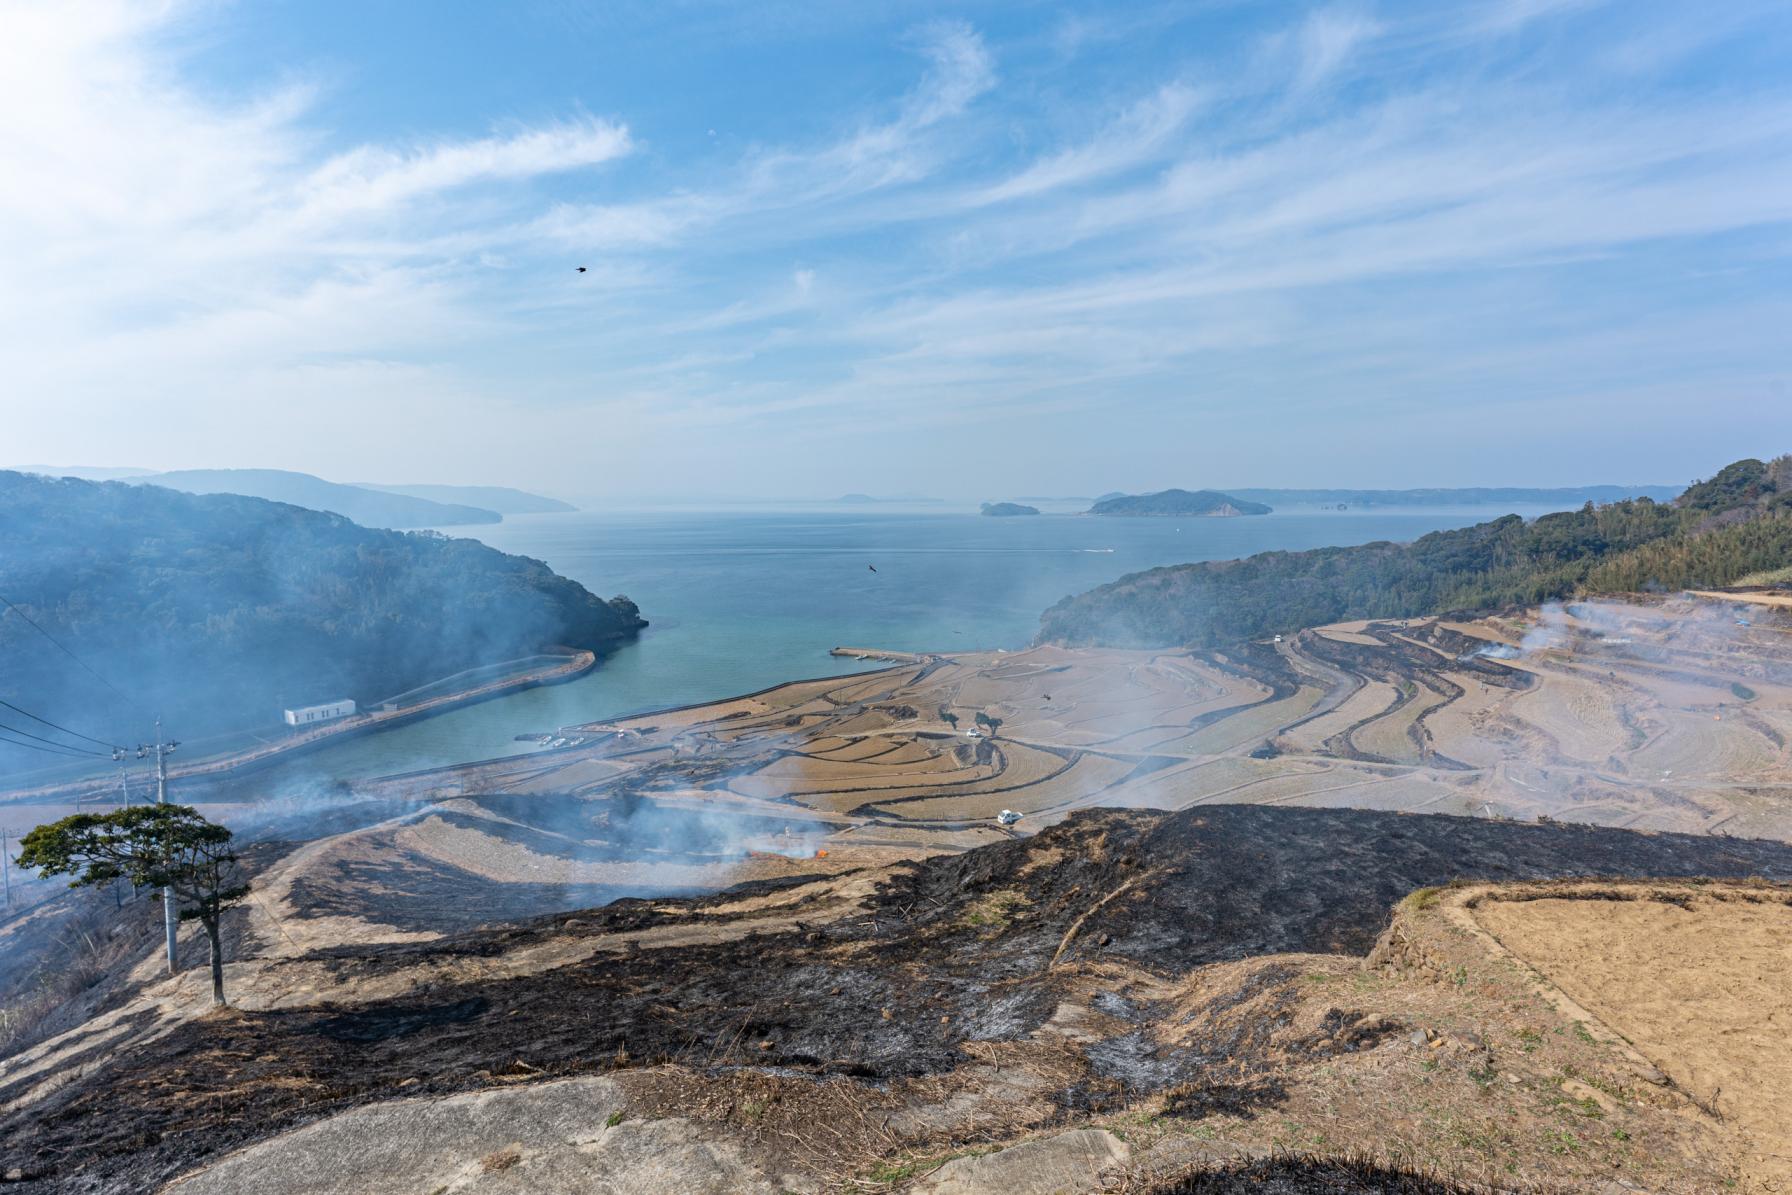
{"x": 1657, "y": 713}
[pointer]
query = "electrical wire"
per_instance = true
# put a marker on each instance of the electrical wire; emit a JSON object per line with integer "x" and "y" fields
{"x": 65, "y": 730}
{"x": 59, "y": 646}
{"x": 72, "y": 754}
{"x": 52, "y": 742}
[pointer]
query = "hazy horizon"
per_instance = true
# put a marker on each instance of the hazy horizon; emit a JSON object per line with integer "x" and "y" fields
{"x": 950, "y": 249}
{"x": 697, "y": 498}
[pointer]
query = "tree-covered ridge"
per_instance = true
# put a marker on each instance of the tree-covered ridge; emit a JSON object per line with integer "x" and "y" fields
{"x": 217, "y": 610}
{"x": 1560, "y": 497}
{"x": 1717, "y": 531}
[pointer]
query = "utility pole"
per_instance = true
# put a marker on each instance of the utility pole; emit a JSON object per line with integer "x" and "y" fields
{"x": 124, "y": 799}
{"x": 124, "y": 789}
{"x": 162, "y": 751}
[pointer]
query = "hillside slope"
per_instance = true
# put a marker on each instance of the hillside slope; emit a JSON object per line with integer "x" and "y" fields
{"x": 215, "y": 611}
{"x": 1168, "y": 971}
{"x": 370, "y": 508}
{"x": 1717, "y": 531}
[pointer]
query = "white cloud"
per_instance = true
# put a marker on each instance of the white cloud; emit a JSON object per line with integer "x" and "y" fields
{"x": 166, "y": 244}
{"x": 962, "y": 71}
{"x": 1325, "y": 41}
{"x": 1138, "y": 136}
{"x": 1507, "y": 16}
{"x": 875, "y": 156}
{"x": 373, "y": 178}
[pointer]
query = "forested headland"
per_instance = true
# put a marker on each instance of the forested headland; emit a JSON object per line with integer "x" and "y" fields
{"x": 1717, "y": 532}
{"x": 215, "y": 611}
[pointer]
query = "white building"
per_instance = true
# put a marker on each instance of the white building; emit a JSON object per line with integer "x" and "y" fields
{"x": 311, "y": 715}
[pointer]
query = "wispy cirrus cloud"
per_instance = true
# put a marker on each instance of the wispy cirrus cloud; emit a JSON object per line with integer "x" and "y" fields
{"x": 380, "y": 178}
{"x": 1136, "y": 136}
{"x": 1325, "y": 41}
{"x": 874, "y": 156}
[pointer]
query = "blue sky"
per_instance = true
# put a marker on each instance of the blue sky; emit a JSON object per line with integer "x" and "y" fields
{"x": 974, "y": 249}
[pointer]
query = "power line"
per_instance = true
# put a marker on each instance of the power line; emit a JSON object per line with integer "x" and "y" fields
{"x": 71, "y": 752}
{"x": 65, "y": 651}
{"x": 52, "y": 742}
{"x": 65, "y": 730}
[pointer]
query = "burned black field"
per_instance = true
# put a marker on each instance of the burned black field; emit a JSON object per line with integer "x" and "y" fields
{"x": 902, "y": 984}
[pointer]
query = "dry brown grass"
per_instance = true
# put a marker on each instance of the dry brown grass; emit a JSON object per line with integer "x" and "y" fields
{"x": 1696, "y": 978}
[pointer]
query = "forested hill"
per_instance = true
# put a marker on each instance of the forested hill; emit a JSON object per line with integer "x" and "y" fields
{"x": 1715, "y": 533}
{"x": 217, "y": 610}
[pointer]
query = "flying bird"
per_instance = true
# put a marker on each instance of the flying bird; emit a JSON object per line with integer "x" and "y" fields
{"x": 872, "y": 567}
{"x": 581, "y": 269}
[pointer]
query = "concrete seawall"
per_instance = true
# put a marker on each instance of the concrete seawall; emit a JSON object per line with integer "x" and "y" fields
{"x": 873, "y": 653}
{"x": 575, "y": 665}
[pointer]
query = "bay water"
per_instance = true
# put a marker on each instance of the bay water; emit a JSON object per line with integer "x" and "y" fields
{"x": 741, "y": 599}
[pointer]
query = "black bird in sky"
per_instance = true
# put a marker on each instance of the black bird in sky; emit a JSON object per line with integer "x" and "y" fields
{"x": 872, "y": 567}
{"x": 581, "y": 269}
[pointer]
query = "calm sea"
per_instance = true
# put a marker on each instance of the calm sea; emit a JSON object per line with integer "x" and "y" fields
{"x": 744, "y": 599}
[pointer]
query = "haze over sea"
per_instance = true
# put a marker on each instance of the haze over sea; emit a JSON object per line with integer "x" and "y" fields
{"x": 743, "y": 599}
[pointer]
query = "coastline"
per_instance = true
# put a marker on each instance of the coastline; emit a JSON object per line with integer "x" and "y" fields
{"x": 635, "y": 716}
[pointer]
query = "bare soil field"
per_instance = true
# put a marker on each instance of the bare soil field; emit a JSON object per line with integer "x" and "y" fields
{"x": 1697, "y": 979}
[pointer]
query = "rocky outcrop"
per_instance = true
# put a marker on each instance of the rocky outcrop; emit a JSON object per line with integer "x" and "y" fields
{"x": 1068, "y": 1164}
{"x": 566, "y": 1136}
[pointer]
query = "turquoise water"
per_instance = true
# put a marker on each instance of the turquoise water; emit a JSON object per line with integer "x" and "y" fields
{"x": 744, "y": 599}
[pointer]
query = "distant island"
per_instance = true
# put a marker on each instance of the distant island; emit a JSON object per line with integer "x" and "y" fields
{"x": 370, "y": 508}
{"x": 867, "y": 499}
{"x": 1200, "y": 504}
{"x": 215, "y": 611}
{"x": 1561, "y": 498}
{"x": 1006, "y": 510}
{"x": 500, "y": 498}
